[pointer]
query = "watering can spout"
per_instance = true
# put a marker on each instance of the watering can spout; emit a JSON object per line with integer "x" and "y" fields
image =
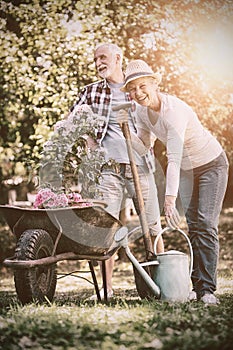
{"x": 121, "y": 237}
{"x": 146, "y": 277}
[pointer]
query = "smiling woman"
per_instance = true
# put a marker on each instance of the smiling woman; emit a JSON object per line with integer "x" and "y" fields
{"x": 193, "y": 173}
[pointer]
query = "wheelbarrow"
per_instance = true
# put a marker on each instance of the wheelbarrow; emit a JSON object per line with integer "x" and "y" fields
{"x": 47, "y": 236}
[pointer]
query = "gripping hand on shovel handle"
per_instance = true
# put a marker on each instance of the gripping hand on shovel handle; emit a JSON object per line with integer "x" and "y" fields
{"x": 122, "y": 116}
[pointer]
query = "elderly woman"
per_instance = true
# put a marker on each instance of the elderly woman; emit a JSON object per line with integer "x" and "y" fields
{"x": 197, "y": 167}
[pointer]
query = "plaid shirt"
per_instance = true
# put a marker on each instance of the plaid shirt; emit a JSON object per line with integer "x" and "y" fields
{"x": 99, "y": 97}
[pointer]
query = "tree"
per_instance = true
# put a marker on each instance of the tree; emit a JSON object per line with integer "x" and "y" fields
{"x": 47, "y": 48}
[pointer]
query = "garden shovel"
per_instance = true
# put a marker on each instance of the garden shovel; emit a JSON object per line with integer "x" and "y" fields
{"x": 141, "y": 207}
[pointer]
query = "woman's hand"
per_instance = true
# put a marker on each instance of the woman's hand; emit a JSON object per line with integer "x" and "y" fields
{"x": 122, "y": 116}
{"x": 172, "y": 215}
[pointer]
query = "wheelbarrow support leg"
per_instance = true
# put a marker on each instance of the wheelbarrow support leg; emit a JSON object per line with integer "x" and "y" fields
{"x": 104, "y": 280}
{"x": 94, "y": 279}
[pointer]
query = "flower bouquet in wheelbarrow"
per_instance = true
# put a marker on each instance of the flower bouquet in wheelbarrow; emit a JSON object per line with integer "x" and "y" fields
{"x": 67, "y": 162}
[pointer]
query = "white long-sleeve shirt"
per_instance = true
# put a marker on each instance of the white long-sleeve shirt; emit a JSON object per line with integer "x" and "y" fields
{"x": 188, "y": 143}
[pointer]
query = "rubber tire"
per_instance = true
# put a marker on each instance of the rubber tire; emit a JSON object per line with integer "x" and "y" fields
{"x": 35, "y": 284}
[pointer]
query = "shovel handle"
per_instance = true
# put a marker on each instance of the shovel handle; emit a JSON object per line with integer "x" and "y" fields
{"x": 142, "y": 213}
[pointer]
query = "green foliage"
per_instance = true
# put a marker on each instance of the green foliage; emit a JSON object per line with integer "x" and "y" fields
{"x": 46, "y": 54}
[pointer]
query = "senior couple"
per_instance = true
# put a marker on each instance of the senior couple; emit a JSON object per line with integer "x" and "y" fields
{"x": 197, "y": 166}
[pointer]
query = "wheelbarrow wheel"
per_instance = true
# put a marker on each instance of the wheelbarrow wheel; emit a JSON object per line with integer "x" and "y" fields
{"x": 35, "y": 284}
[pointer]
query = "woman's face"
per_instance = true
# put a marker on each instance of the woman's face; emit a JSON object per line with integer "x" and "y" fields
{"x": 143, "y": 90}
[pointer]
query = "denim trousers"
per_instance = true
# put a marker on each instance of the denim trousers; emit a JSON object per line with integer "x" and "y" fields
{"x": 113, "y": 188}
{"x": 202, "y": 191}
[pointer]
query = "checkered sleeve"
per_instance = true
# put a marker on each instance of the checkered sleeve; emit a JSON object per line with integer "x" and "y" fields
{"x": 82, "y": 99}
{"x": 98, "y": 96}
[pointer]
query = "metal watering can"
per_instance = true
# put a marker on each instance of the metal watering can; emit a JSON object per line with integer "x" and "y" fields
{"x": 170, "y": 273}
{"x": 173, "y": 272}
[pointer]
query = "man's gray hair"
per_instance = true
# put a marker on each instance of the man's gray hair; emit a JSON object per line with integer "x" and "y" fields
{"x": 113, "y": 48}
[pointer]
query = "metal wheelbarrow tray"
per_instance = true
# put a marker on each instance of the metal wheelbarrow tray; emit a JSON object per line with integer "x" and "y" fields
{"x": 46, "y": 236}
{"x": 83, "y": 230}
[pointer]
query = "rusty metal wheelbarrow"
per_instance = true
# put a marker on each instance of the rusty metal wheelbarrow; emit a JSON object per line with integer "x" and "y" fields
{"x": 46, "y": 236}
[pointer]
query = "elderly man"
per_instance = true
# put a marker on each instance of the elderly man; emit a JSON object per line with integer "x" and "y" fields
{"x": 116, "y": 177}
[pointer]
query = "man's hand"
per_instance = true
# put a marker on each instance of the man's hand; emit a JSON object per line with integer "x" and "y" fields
{"x": 172, "y": 215}
{"x": 91, "y": 143}
{"x": 122, "y": 116}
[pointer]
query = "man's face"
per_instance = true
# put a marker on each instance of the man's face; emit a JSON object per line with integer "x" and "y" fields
{"x": 105, "y": 62}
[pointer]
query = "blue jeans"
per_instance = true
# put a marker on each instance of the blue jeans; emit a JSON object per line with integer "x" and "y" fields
{"x": 202, "y": 191}
{"x": 114, "y": 187}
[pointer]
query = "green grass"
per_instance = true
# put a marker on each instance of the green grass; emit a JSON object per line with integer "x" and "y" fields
{"x": 121, "y": 324}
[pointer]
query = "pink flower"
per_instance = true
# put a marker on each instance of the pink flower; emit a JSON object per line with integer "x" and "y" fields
{"x": 46, "y": 198}
{"x": 74, "y": 197}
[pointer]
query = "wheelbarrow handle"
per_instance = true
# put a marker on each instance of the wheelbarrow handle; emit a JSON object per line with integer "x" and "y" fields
{"x": 142, "y": 213}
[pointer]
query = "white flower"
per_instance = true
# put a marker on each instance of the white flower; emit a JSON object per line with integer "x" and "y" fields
{"x": 59, "y": 125}
{"x": 48, "y": 146}
{"x": 66, "y": 152}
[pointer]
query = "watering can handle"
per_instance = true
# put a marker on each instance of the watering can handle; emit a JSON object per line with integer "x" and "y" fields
{"x": 187, "y": 239}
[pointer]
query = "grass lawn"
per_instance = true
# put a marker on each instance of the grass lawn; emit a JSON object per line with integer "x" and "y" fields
{"x": 72, "y": 321}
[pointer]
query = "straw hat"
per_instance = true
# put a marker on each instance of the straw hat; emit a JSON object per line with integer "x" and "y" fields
{"x": 138, "y": 69}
